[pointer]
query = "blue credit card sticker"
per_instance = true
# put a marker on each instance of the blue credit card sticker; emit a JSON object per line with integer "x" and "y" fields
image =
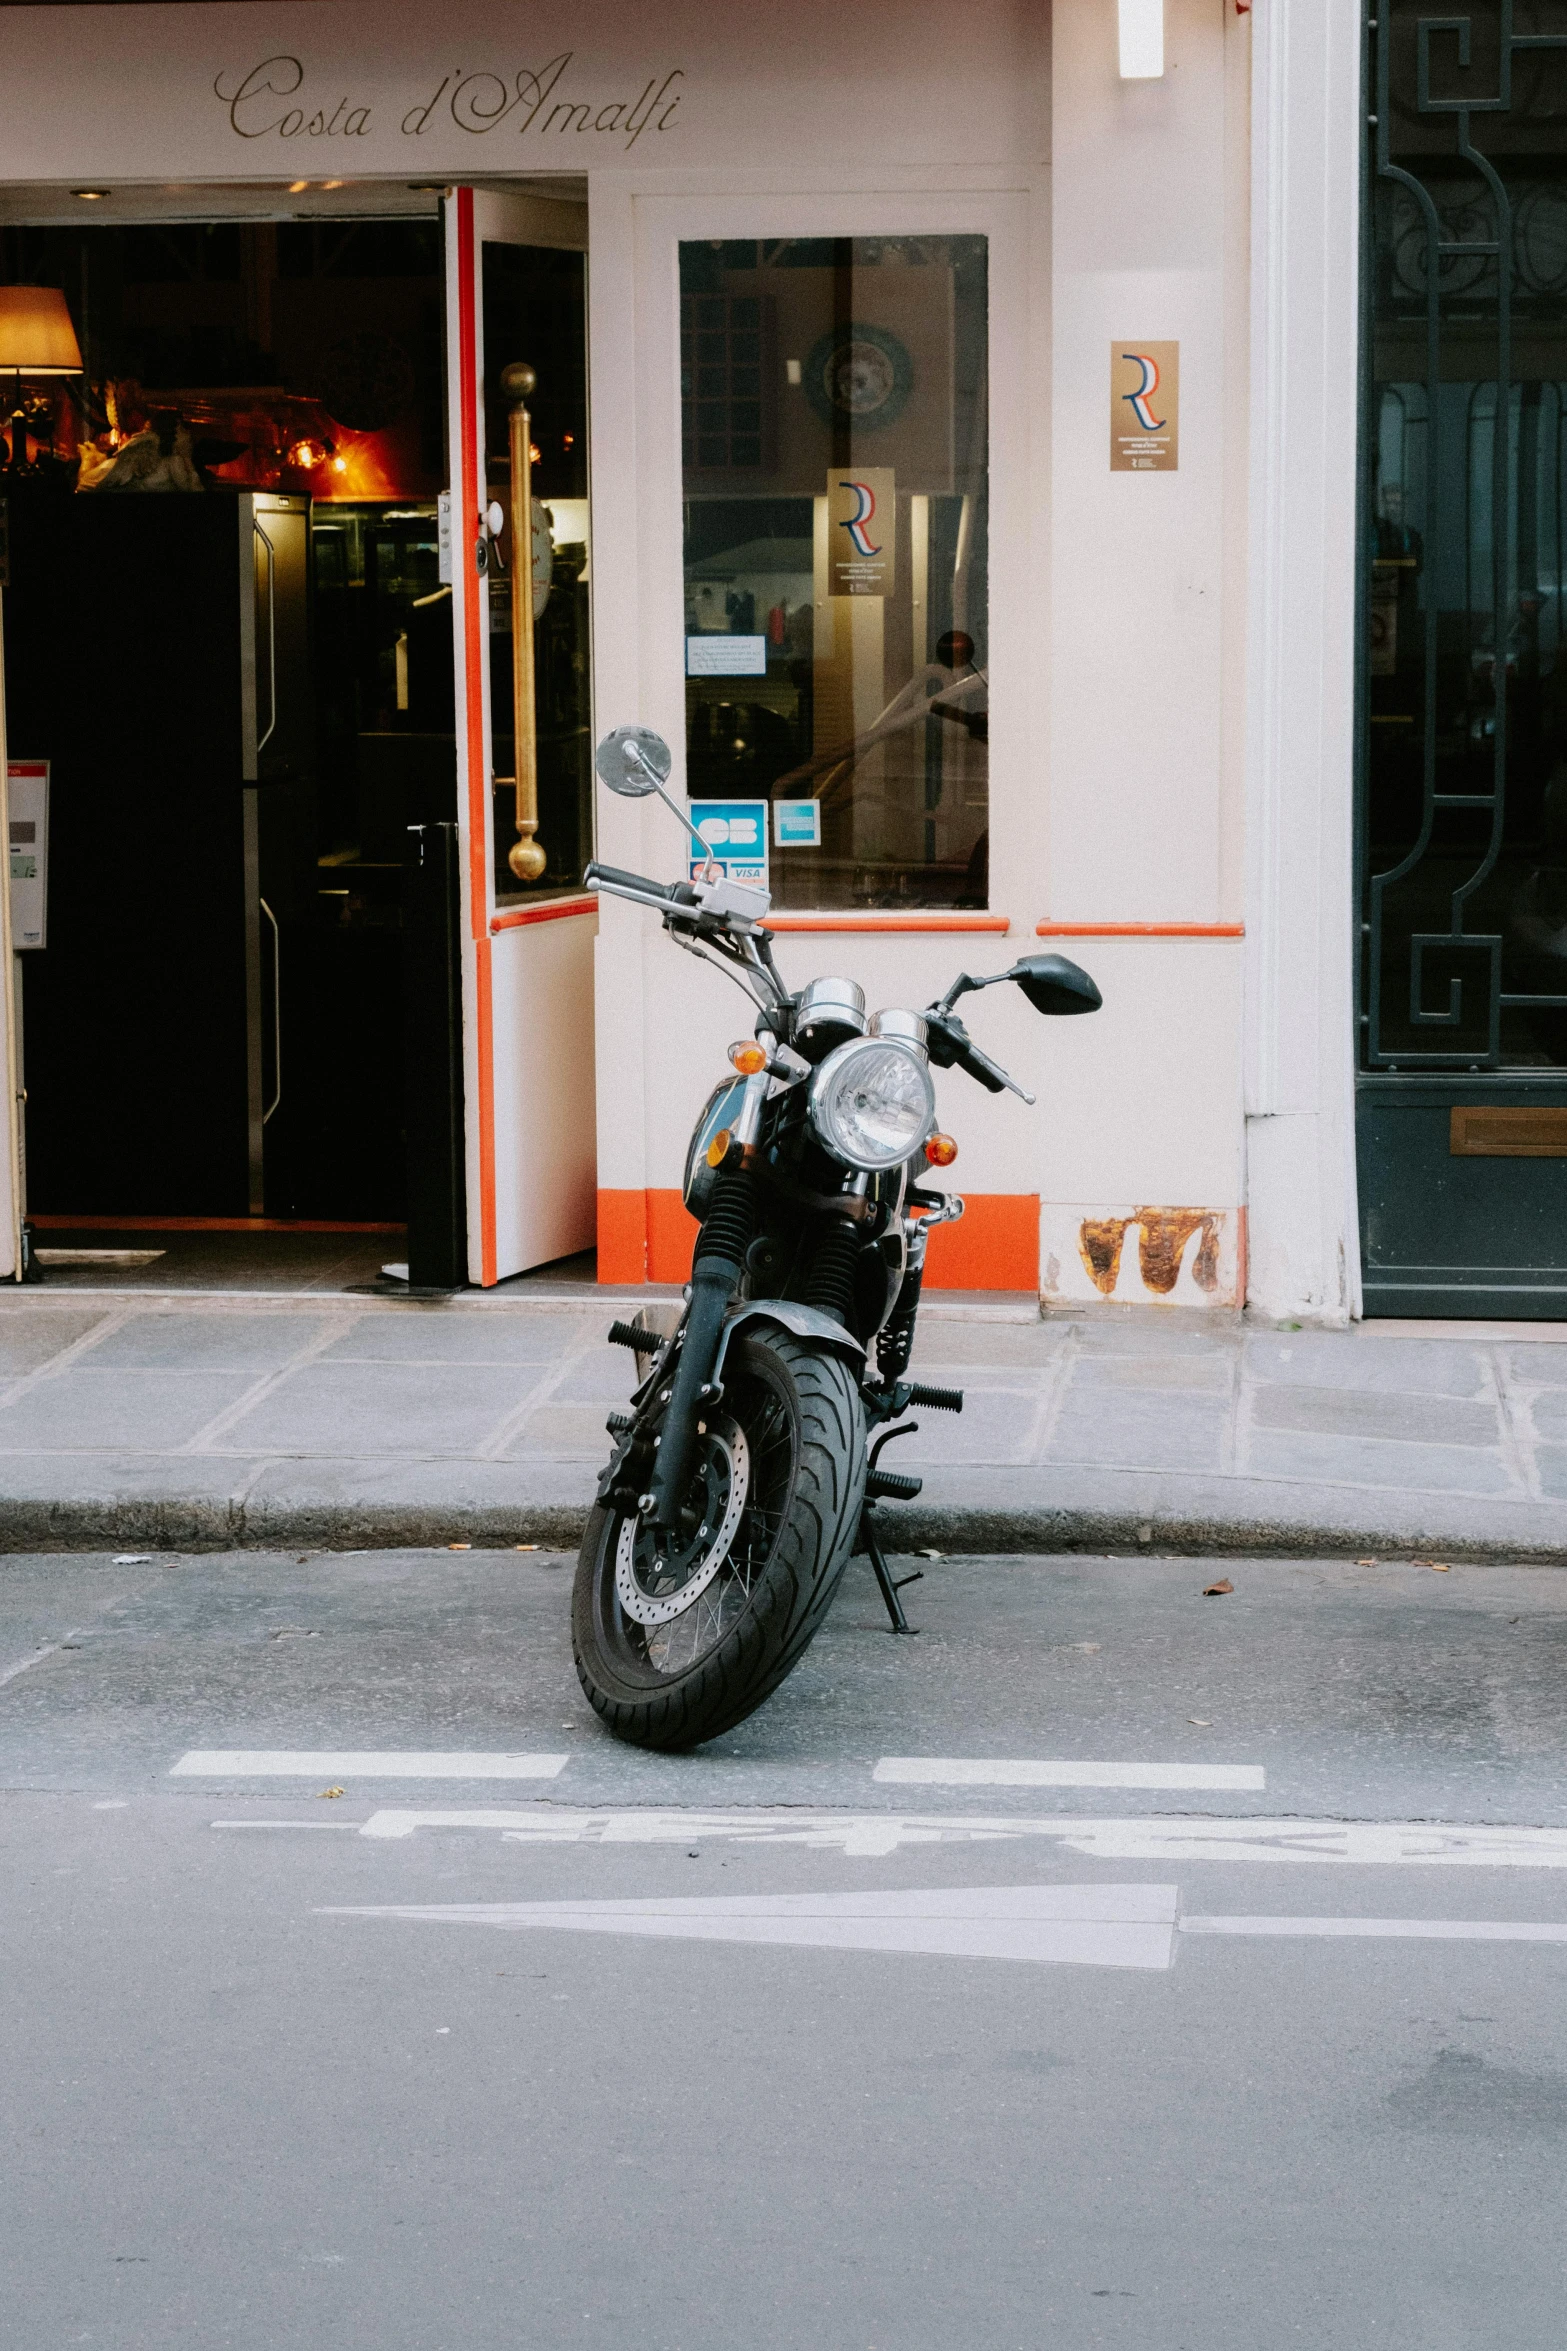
{"x": 797, "y": 824}
{"x": 735, "y": 832}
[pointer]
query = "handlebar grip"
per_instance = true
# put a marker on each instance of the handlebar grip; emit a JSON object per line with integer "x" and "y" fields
{"x": 615, "y": 878}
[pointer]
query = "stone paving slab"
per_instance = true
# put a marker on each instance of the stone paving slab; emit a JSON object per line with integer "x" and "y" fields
{"x": 181, "y": 1421}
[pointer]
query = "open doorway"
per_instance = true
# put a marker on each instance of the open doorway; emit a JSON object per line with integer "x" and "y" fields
{"x": 229, "y": 646}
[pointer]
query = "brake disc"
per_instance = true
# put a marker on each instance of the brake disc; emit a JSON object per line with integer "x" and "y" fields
{"x": 657, "y": 1578}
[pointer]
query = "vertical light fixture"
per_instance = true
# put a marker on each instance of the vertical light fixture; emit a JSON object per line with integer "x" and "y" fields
{"x": 1141, "y": 28}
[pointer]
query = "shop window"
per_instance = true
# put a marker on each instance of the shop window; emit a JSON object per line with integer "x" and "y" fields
{"x": 835, "y": 473}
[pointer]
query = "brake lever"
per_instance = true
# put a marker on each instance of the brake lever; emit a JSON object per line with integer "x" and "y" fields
{"x": 949, "y": 1043}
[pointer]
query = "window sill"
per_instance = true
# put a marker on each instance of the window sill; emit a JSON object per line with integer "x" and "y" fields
{"x": 514, "y": 918}
{"x": 847, "y": 921}
{"x": 1140, "y": 930}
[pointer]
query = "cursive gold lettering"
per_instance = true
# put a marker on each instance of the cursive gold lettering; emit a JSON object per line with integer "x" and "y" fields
{"x": 642, "y": 125}
{"x": 608, "y": 117}
{"x": 540, "y": 84}
{"x": 568, "y": 112}
{"x": 358, "y": 123}
{"x": 255, "y": 88}
{"x": 635, "y": 127}
{"x": 481, "y": 101}
{"x": 417, "y": 116}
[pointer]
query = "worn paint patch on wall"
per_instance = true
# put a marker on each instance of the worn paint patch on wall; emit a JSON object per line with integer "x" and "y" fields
{"x": 1143, "y": 1255}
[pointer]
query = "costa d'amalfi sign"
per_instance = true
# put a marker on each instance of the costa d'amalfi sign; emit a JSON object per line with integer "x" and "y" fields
{"x": 275, "y": 99}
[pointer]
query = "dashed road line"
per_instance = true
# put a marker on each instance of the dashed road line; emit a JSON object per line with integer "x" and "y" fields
{"x": 289, "y": 1763}
{"x": 980, "y": 1771}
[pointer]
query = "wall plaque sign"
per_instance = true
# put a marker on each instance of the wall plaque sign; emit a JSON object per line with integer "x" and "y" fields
{"x": 1145, "y": 407}
{"x": 862, "y": 543}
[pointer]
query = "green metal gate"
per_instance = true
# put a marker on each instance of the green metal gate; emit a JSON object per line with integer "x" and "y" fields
{"x": 1462, "y": 817}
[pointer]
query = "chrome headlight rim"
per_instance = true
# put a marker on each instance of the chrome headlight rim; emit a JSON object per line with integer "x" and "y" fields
{"x": 825, "y": 1084}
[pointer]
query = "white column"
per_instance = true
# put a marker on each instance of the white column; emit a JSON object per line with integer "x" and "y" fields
{"x": 1300, "y": 919}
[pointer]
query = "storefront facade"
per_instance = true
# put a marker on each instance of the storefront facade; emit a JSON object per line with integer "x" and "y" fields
{"x": 1098, "y": 690}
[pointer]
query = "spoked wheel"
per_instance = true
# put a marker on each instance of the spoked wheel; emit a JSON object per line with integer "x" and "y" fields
{"x": 677, "y": 1638}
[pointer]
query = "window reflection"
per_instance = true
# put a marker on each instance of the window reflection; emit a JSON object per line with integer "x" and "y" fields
{"x": 834, "y": 428}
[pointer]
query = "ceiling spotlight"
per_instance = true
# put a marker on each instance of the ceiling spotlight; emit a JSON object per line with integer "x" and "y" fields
{"x": 331, "y": 183}
{"x": 1141, "y": 30}
{"x": 90, "y": 195}
{"x": 297, "y": 187}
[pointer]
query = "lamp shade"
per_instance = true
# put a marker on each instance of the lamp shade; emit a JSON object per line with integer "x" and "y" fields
{"x": 36, "y": 334}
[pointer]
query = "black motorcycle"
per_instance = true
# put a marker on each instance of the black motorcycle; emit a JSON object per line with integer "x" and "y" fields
{"x": 743, "y": 1473}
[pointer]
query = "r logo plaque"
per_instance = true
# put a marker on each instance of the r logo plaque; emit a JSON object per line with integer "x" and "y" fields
{"x": 1145, "y": 407}
{"x": 862, "y": 513}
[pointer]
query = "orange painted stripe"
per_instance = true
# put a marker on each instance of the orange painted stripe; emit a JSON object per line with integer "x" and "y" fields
{"x": 556, "y": 910}
{"x": 993, "y": 1246}
{"x": 649, "y": 1237}
{"x": 1140, "y": 930}
{"x": 888, "y": 922}
{"x": 622, "y": 1237}
{"x": 464, "y": 524}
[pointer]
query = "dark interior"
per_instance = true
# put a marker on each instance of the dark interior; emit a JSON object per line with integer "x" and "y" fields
{"x": 227, "y": 362}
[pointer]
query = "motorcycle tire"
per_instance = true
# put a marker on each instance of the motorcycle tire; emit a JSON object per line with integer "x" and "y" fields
{"x": 675, "y": 1647}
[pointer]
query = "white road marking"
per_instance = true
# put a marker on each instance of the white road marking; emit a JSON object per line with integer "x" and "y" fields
{"x": 1436, "y": 1930}
{"x": 286, "y": 1763}
{"x": 1083, "y": 1926}
{"x": 979, "y": 1771}
{"x": 1164, "y": 1839}
{"x": 25, "y": 1664}
{"x": 1075, "y": 1926}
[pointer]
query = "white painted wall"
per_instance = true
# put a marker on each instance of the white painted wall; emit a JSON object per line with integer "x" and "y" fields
{"x": 1149, "y": 238}
{"x": 1300, "y": 699}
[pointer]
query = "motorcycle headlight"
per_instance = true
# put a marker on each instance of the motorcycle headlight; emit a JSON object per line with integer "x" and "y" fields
{"x": 873, "y": 1103}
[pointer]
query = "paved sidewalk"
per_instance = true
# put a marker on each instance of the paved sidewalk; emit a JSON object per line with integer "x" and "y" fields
{"x": 133, "y": 1419}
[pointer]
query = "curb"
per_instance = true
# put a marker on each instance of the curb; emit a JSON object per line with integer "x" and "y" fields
{"x": 176, "y": 1523}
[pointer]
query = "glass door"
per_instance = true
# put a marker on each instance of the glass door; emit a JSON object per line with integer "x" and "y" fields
{"x": 519, "y": 559}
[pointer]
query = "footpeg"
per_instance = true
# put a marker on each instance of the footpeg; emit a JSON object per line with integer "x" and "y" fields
{"x": 890, "y": 1485}
{"x": 632, "y": 1335}
{"x": 619, "y": 1423}
{"x": 937, "y": 1399}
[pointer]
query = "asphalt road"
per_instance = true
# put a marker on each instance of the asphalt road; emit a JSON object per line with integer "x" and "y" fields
{"x": 1109, "y": 1966}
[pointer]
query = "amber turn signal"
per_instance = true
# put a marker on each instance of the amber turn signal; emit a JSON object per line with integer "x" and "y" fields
{"x": 718, "y": 1148}
{"x": 748, "y": 1057}
{"x": 941, "y": 1150}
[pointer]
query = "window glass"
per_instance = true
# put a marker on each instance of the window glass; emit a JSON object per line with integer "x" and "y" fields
{"x": 835, "y": 469}
{"x": 535, "y": 310}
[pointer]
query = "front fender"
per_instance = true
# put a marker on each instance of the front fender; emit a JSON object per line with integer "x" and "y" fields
{"x": 805, "y": 1322}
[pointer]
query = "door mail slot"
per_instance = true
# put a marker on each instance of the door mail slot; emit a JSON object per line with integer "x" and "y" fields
{"x": 1478, "y": 1132}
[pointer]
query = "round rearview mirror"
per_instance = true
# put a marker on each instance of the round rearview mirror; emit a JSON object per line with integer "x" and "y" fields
{"x": 633, "y": 761}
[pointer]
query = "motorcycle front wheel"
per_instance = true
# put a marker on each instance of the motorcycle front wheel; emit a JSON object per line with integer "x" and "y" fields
{"x": 677, "y": 1639}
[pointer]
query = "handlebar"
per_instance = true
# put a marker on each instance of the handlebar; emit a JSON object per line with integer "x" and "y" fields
{"x": 950, "y": 1046}
{"x": 638, "y": 886}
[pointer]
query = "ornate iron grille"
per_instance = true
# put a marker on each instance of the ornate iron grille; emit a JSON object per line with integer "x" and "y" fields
{"x": 1463, "y": 837}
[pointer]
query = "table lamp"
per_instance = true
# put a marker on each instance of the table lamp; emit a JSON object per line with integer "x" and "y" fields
{"x": 36, "y": 339}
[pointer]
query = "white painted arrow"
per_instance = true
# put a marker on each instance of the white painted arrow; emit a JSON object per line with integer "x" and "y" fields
{"x": 1083, "y": 1926}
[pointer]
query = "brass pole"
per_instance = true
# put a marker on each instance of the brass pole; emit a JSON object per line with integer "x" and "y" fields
{"x": 527, "y": 857}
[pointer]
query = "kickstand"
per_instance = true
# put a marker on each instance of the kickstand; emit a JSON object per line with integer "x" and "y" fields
{"x": 889, "y": 1589}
